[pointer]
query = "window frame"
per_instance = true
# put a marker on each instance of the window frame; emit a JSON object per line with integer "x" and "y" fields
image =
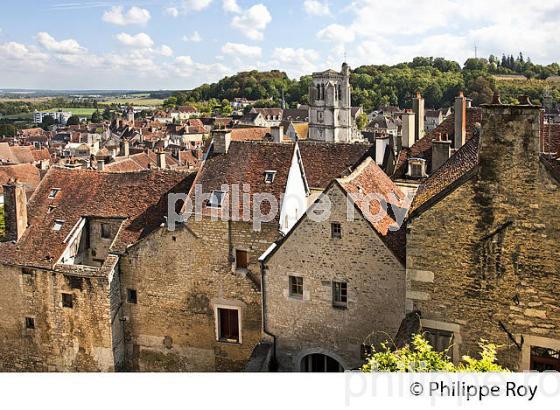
{"x": 57, "y": 225}
{"x": 340, "y": 293}
{"x": 217, "y": 322}
{"x": 292, "y": 284}
{"x": 336, "y": 230}
{"x": 269, "y": 173}
{"x": 103, "y": 226}
{"x": 53, "y": 193}
{"x": 29, "y": 323}
{"x": 131, "y": 296}
{"x": 64, "y": 302}
{"x": 221, "y": 198}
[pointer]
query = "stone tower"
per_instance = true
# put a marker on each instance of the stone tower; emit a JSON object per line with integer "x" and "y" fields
{"x": 330, "y": 117}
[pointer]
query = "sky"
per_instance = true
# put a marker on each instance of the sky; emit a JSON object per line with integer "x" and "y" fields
{"x": 180, "y": 44}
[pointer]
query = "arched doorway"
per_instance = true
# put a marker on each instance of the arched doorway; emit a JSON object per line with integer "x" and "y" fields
{"x": 320, "y": 363}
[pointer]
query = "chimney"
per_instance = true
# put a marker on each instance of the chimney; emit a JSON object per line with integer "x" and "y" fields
{"x": 441, "y": 151}
{"x": 418, "y": 108}
{"x": 460, "y": 121}
{"x": 100, "y": 165}
{"x": 381, "y": 144}
{"x": 222, "y": 139}
{"x": 161, "y": 159}
{"x": 407, "y": 130}
{"x": 15, "y": 209}
{"x": 125, "y": 148}
{"x": 277, "y": 133}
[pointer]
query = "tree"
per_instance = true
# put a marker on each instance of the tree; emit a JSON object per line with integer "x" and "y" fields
{"x": 96, "y": 117}
{"x": 73, "y": 120}
{"x": 8, "y": 130}
{"x": 48, "y": 122}
{"x": 481, "y": 90}
{"x": 420, "y": 356}
{"x": 226, "y": 108}
{"x": 107, "y": 114}
{"x": 362, "y": 121}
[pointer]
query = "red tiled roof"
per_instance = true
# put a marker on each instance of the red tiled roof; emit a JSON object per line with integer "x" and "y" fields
{"x": 423, "y": 147}
{"x": 325, "y": 161}
{"x": 19, "y": 154}
{"x": 139, "y": 198}
{"x": 27, "y": 174}
{"x": 250, "y": 134}
{"x": 140, "y": 161}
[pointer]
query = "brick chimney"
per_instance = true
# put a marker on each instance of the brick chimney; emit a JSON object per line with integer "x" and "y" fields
{"x": 15, "y": 210}
{"x": 100, "y": 165}
{"x": 277, "y": 133}
{"x": 418, "y": 108}
{"x": 460, "y": 121}
{"x": 124, "y": 148}
{"x": 407, "y": 130}
{"x": 161, "y": 163}
{"x": 441, "y": 151}
{"x": 222, "y": 139}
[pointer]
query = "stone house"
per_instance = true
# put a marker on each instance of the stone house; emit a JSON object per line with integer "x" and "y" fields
{"x": 61, "y": 304}
{"x": 336, "y": 284}
{"x": 482, "y": 244}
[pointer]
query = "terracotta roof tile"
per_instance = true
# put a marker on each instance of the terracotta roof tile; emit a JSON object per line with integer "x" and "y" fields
{"x": 251, "y": 134}
{"x": 139, "y": 198}
{"x": 27, "y": 174}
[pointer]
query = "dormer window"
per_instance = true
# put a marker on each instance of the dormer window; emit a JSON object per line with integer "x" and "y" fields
{"x": 57, "y": 225}
{"x": 54, "y": 192}
{"x": 269, "y": 176}
{"x": 417, "y": 168}
{"x": 216, "y": 199}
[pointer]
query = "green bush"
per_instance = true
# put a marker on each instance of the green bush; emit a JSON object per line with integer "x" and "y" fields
{"x": 420, "y": 356}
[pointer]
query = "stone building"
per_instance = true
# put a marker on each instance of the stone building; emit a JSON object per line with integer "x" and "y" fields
{"x": 330, "y": 110}
{"x": 482, "y": 244}
{"x": 335, "y": 285}
{"x": 61, "y": 302}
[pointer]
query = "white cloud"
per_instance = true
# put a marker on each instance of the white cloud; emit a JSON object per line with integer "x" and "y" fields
{"x": 195, "y": 5}
{"x": 134, "y": 15}
{"x": 140, "y": 40}
{"x": 20, "y": 52}
{"x": 316, "y": 8}
{"x": 296, "y": 61}
{"x": 253, "y": 22}
{"x": 172, "y": 11}
{"x": 241, "y": 50}
{"x": 69, "y": 46}
{"x": 336, "y": 33}
{"x": 231, "y": 6}
{"x": 166, "y": 51}
{"x": 194, "y": 38}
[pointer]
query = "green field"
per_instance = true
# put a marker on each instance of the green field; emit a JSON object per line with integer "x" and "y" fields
{"x": 150, "y": 102}
{"x": 81, "y": 112}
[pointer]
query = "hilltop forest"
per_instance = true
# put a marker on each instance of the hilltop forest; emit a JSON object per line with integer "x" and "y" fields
{"x": 373, "y": 86}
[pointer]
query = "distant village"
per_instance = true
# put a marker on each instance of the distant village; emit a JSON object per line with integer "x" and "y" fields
{"x": 454, "y": 233}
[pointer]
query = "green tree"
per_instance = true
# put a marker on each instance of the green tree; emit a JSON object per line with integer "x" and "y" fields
{"x": 73, "y": 120}
{"x": 48, "y": 122}
{"x": 107, "y": 114}
{"x": 96, "y": 117}
{"x": 8, "y": 130}
{"x": 420, "y": 356}
{"x": 226, "y": 108}
{"x": 362, "y": 121}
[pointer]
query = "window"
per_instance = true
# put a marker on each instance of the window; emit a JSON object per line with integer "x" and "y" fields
{"x": 241, "y": 259}
{"x": 29, "y": 323}
{"x": 296, "y": 287}
{"x": 51, "y": 208}
{"x": 57, "y": 225}
{"x": 105, "y": 231}
{"x": 228, "y": 325}
{"x": 67, "y": 300}
{"x": 440, "y": 340}
{"x": 216, "y": 199}
{"x": 269, "y": 176}
{"x": 544, "y": 359}
{"x": 131, "y": 296}
{"x": 336, "y": 230}
{"x": 54, "y": 192}
{"x": 320, "y": 116}
{"x": 340, "y": 294}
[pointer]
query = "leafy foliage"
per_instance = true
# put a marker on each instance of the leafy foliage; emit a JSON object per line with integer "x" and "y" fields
{"x": 438, "y": 79}
{"x": 420, "y": 356}
{"x": 73, "y": 120}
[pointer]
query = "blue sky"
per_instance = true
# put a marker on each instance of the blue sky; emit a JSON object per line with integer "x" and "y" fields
{"x": 179, "y": 44}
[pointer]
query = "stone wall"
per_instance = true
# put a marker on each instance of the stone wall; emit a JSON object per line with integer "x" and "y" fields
{"x": 376, "y": 290}
{"x": 484, "y": 261}
{"x": 181, "y": 277}
{"x": 63, "y": 339}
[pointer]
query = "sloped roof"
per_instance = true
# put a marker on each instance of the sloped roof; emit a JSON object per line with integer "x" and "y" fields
{"x": 27, "y": 174}
{"x": 139, "y": 198}
{"x": 138, "y": 162}
{"x": 423, "y": 147}
{"x": 246, "y": 163}
{"x": 17, "y": 154}
{"x": 325, "y": 161}
{"x": 251, "y": 134}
